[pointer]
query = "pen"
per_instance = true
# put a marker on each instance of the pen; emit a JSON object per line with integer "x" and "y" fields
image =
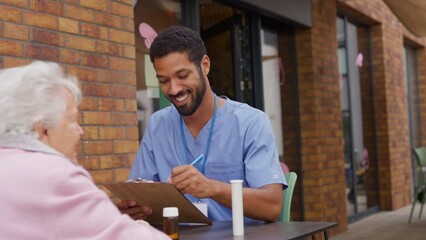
{"x": 199, "y": 158}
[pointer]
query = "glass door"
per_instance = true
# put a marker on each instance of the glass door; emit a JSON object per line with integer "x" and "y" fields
{"x": 253, "y": 61}
{"x": 413, "y": 99}
{"x": 226, "y": 35}
{"x": 272, "y": 79}
{"x": 356, "y": 155}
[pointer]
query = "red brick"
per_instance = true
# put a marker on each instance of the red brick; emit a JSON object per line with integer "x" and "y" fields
{"x": 70, "y": 56}
{"x": 103, "y": 176}
{"x": 111, "y": 133}
{"x": 90, "y": 89}
{"x": 79, "y": 13}
{"x": 128, "y": 2}
{"x": 131, "y": 105}
{"x": 122, "y": 64}
{"x": 116, "y": 161}
{"x": 123, "y": 91}
{"x": 130, "y": 78}
{"x": 98, "y": 118}
{"x": 129, "y": 51}
{"x": 94, "y": 31}
{"x": 94, "y": 60}
{"x": 84, "y": 74}
{"x": 68, "y": 25}
{"x": 95, "y": 4}
{"x": 18, "y": 3}
{"x": 40, "y": 20}
{"x": 10, "y": 14}
{"x": 121, "y": 36}
{"x": 121, "y": 9}
{"x": 90, "y": 133}
{"x": 124, "y": 119}
{"x": 111, "y": 104}
{"x": 75, "y": 2}
{"x": 15, "y": 31}
{"x": 127, "y": 24}
{"x": 10, "y": 47}
{"x": 46, "y": 37}
{"x": 133, "y": 133}
{"x": 110, "y": 76}
{"x": 97, "y": 147}
{"x": 130, "y": 146}
{"x": 108, "y": 48}
{"x": 121, "y": 174}
{"x": 42, "y": 52}
{"x": 47, "y": 6}
{"x": 80, "y": 43}
{"x": 89, "y": 163}
{"x": 13, "y": 62}
{"x": 89, "y": 103}
{"x": 107, "y": 20}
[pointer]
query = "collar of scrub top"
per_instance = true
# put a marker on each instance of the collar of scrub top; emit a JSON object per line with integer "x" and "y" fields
{"x": 206, "y": 152}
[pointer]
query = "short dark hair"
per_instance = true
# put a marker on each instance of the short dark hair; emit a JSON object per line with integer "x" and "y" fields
{"x": 178, "y": 39}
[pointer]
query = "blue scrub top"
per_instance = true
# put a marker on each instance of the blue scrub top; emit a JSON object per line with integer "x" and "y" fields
{"x": 242, "y": 147}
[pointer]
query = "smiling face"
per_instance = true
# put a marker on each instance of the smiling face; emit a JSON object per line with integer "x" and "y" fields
{"x": 181, "y": 81}
{"x": 65, "y": 136}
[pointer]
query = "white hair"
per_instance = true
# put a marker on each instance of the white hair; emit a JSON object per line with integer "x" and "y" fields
{"x": 31, "y": 94}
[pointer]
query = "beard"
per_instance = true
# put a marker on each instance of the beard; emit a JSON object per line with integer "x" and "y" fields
{"x": 197, "y": 98}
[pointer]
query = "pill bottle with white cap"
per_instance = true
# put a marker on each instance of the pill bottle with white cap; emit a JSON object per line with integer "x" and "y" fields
{"x": 171, "y": 222}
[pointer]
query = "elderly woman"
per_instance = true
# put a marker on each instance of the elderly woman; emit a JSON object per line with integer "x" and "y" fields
{"x": 45, "y": 194}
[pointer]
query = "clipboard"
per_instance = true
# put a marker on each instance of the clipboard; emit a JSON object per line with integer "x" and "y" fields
{"x": 158, "y": 195}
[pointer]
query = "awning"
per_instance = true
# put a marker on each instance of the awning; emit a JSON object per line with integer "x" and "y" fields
{"x": 411, "y": 13}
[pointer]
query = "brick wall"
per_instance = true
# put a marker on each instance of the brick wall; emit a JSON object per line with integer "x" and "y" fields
{"x": 320, "y": 118}
{"x": 93, "y": 39}
{"x": 392, "y": 128}
{"x": 384, "y": 111}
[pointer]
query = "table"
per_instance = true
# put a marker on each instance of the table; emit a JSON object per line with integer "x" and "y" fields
{"x": 256, "y": 230}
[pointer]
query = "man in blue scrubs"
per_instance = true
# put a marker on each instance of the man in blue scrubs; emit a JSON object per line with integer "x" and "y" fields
{"x": 236, "y": 140}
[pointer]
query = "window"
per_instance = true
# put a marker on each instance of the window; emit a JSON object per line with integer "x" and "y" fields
{"x": 413, "y": 96}
{"x": 151, "y": 17}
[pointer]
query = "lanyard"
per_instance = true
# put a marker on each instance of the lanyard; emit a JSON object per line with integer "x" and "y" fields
{"x": 208, "y": 139}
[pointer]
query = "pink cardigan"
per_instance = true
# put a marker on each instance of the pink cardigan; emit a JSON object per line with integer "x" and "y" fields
{"x": 46, "y": 196}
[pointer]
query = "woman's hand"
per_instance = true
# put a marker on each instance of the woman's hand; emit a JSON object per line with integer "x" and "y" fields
{"x": 131, "y": 208}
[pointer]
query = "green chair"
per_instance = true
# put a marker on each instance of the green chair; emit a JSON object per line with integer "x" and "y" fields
{"x": 420, "y": 183}
{"x": 291, "y": 178}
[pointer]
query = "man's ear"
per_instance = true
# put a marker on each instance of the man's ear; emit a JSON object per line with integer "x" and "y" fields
{"x": 40, "y": 130}
{"x": 205, "y": 65}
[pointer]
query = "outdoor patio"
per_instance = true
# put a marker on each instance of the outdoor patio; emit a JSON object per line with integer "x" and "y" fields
{"x": 388, "y": 225}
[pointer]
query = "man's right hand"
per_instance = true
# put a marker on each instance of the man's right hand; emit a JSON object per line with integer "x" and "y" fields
{"x": 131, "y": 208}
{"x": 187, "y": 179}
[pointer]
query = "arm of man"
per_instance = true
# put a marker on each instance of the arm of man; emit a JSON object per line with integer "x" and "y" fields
{"x": 262, "y": 203}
